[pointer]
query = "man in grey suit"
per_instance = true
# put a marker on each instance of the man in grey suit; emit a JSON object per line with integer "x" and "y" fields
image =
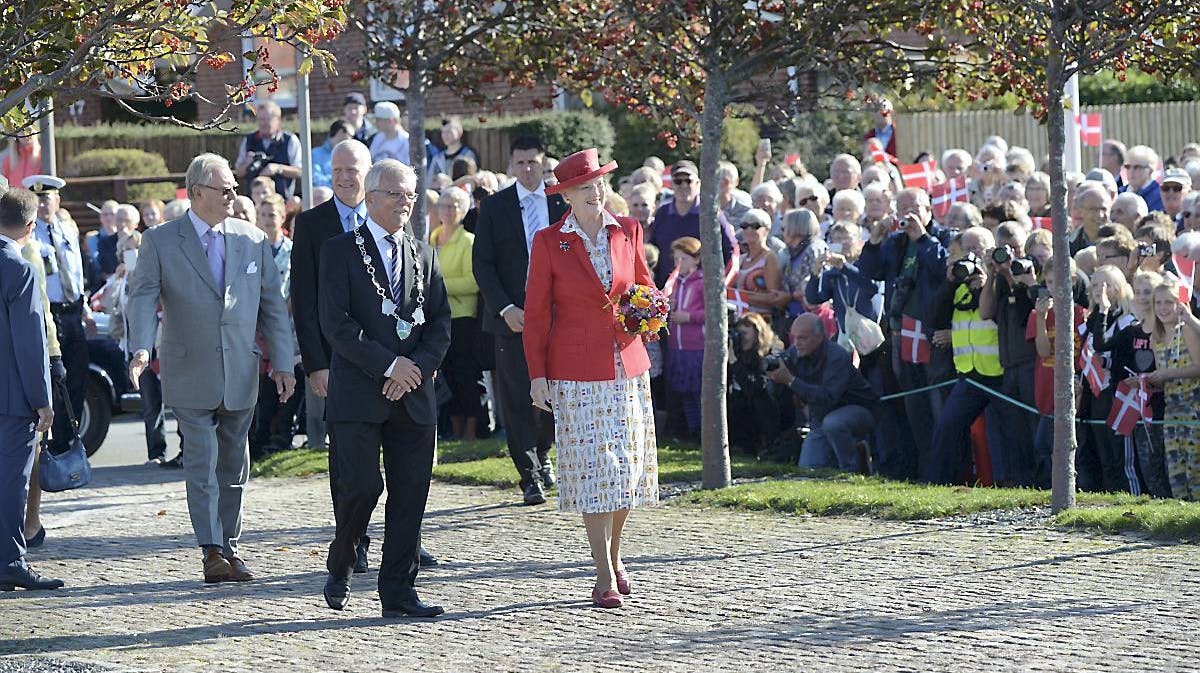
{"x": 25, "y": 406}
{"x": 217, "y": 283}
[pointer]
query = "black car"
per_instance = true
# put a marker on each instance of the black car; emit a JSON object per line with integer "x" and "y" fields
{"x": 109, "y": 391}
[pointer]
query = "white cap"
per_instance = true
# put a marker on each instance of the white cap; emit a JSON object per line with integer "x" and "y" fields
{"x": 43, "y": 183}
{"x": 386, "y": 110}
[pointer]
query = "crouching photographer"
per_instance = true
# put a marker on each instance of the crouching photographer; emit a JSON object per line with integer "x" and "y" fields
{"x": 841, "y": 404}
{"x": 975, "y": 344}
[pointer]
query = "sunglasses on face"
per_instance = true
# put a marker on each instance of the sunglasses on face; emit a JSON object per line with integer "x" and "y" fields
{"x": 807, "y": 200}
{"x": 751, "y": 226}
{"x": 681, "y": 181}
{"x": 1171, "y": 187}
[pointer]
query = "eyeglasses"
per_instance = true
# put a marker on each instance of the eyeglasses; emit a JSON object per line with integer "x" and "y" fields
{"x": 680, "y": 181}
{"x": 227, "y": 192}
{"x": 752, "y": 225}
{"x": 1136, "y": 167}
{"x": 807, "y": 200}
{"x": 1171, "y": 187}
{"x": 407, "y": 197}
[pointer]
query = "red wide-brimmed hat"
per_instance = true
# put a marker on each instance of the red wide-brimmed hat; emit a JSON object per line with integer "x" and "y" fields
{"x": 578, "y": 169}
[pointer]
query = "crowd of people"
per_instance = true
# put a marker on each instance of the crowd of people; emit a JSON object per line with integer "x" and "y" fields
{"x": 874, "y": 327}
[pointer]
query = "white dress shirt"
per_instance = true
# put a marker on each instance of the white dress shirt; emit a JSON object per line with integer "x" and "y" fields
{"x": 536, "y": 219}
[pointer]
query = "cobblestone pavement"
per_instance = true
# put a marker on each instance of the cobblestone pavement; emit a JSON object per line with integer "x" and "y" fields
{"x": 714, "y": 591}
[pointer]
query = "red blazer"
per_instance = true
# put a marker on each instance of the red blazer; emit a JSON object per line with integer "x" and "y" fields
{"x": 570, "y": 321}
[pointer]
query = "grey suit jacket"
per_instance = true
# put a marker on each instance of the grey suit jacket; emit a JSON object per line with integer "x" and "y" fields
{"x": 207, "y": 354}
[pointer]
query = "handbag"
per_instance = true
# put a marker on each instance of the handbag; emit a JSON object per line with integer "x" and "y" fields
{"x": 70, "y": 469}
{"x": 865, "y": 335}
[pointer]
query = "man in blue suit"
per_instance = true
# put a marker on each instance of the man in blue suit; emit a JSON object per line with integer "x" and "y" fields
{"x": 25, "y": 403}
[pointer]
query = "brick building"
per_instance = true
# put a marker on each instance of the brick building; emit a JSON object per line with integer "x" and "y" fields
{"x": 326, "y": 91}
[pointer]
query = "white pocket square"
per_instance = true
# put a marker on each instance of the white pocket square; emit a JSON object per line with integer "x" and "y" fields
{"x": 252, "y": 268}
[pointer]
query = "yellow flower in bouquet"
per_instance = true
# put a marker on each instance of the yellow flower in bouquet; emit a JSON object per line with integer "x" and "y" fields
{"x": 639, "y": 301}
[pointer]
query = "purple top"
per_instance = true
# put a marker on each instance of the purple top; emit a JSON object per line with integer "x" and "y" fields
{"x": 688, "y": 296}
{"x": 670, "y": 226}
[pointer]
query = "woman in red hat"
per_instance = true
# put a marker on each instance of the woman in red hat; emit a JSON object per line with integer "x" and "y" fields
{"x": 587, "y": 370}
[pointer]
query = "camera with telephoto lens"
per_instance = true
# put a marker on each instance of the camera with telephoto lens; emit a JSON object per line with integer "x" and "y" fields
{"x": 1022, "y": 266}
{"x": 966, "y": 267}
{"x": 258, "y": 160}
{"x": 1001, "y": 255}
{"x": 773, "y": 361}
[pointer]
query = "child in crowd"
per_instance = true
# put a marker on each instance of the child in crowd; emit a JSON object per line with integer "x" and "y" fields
{"x": 1101, "y": 461}
{"x": 1176, "y": 340}
{"x": 686, "y": 364}
{"x": 1040, "y": 330}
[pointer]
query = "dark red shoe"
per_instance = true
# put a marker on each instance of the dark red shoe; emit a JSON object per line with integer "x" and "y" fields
{"x": 608, "y": 599}
{"x": 623, "y": 585}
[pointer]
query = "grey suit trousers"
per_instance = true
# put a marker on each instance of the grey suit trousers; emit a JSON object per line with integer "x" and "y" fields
{"x": 216, "y": 465}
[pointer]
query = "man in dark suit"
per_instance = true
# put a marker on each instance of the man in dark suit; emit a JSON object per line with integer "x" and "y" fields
{"x": 343, "y": 213}
{"x": 504, "y": 233}
{"x": 385, "y": 313}
{"x": 25, "y": 403}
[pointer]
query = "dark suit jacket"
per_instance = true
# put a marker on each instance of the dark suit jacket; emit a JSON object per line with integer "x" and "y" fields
{"x": 364, "y": 341}
{"x": 500, "y": 258}
{"x": 313, "y": 227}
{"x": 25, "y": 386}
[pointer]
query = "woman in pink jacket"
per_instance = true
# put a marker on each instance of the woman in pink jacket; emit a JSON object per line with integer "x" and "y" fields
{"x": 686, "y": 340}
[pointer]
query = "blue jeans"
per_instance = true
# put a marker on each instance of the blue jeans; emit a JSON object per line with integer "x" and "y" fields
{"x": 833, "y": 441}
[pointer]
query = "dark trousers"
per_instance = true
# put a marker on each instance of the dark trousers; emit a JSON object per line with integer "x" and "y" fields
{"x": 153, "y": 414}
{"x": 529, "y": 431}
{"x": 408, "y": 466}
{"x": 73, "y": 342}
{"x": 951, "y": 453}
{"x": 274, "y": 422}
{"x": 17, "y": 441}
{"x": 463, "y": 369}
{"x": 921, "y": 408}
{"x": 1013, "y": 456}
{"x": 1104, "y": 469}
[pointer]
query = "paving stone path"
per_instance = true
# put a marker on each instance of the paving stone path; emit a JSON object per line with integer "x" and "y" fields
{"x": 714, "y": 591}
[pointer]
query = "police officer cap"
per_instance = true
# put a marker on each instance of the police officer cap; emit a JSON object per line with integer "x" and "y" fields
{"x": 43, "y": 184}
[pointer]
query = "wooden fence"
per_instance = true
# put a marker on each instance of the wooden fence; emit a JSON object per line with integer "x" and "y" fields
{"x": 1166, "y": 127}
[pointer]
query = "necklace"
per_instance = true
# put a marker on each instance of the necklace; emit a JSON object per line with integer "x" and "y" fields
{"x": 389, "y": 306}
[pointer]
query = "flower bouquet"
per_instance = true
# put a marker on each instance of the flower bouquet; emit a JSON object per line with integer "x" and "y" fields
{"x": 643, "y": 311}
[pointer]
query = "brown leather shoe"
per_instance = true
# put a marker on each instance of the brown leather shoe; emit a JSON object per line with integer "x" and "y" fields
{"x": 240, "y": 573}
{"x": 216, "y": 568}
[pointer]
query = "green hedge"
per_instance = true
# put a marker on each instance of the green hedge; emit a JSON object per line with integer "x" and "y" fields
{"x": 562, "y": 133}
{"x": 127, "y": 162}
{"x": 637, "y": 138}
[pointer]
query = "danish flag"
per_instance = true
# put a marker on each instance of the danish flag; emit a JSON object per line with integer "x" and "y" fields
{"x": 1089, "y": 129}
{"x": 1187, "y": 277}
{"x": 914, "y": 345}
{"x": 1041, "y": 223}
{"x": 922, "y": 175}
{"x": 878, "y": 155}
{"x": 735, "y": 301}
{"x": 1129, "y": 407}
{"x": 946, "y": 194}
{"x": 791, "y": 159}
{"x": 1092, "y": 366}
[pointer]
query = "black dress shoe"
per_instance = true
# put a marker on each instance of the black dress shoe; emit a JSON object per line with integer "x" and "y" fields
{"x": 427, "y": 560}
{"x": 25, "y": 577}
{"x": 413, "y": 607}
{"x": 534, "y": 495}
{"x": 337, "y": 591}
{"x": 37, "y": 540}
{"x": 547, "y": 474}
{"x": 173, "y": 464}
{"x": 360, "y": 560}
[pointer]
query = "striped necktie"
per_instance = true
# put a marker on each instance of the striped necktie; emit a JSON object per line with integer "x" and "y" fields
{"x": 395, "y": 267}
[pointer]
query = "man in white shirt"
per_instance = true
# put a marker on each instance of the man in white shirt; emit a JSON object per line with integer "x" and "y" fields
{"x": 392, "y": 140}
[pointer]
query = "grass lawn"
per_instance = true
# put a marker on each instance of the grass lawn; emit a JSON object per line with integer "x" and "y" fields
{"x": 797, "y": 491}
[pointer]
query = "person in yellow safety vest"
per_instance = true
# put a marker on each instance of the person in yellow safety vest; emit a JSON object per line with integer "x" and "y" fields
{"x": 975, "y": 343}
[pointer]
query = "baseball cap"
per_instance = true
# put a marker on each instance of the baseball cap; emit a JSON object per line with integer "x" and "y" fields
{"x": 685, "y": 167}
{"x": 386, "y": 110}
{"x": 1177, "y": 175}
{"x": 354, "y": 97}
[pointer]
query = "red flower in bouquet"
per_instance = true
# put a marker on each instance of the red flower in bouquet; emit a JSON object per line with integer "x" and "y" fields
{"x": 643, "y": 311}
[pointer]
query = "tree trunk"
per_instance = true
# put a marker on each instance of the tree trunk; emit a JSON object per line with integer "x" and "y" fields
{"x": 714, "y": 436}
{"x": 1063, "y": 474}
{"x": 415, "y": 97}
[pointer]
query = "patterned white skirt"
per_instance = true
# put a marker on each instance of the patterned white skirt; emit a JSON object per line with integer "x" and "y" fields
{"x": 607, "y": 455}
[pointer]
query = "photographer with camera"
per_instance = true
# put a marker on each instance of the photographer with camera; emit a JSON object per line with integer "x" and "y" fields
{"x": 841, "y": 404}
{"x": 912, "y": 263}
{"x": 1008, "y": 297}
{"x": 269, "y": 151}
{"x": 976, "y": 346}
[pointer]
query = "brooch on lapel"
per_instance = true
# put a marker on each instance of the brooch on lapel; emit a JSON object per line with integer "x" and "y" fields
{"x": 564, "y": 246}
